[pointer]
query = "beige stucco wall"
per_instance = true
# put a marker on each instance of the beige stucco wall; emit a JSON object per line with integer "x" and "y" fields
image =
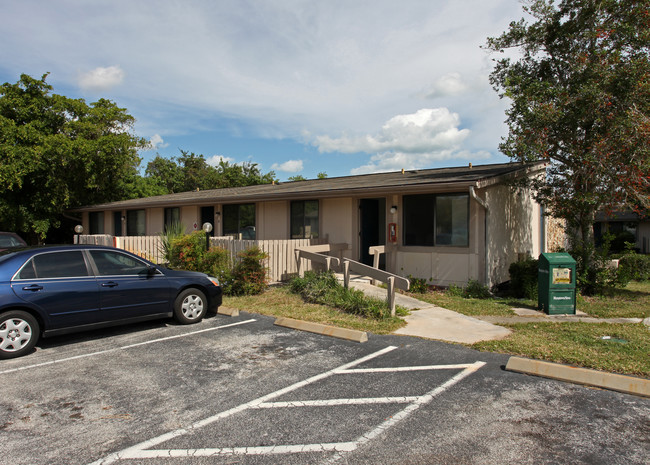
{"x": 189, "y": 217}
{"x": 514, "y": 222}
{"x": 272, "y": 220}
{"x": 337, "y": 223}
{"x": 155, "y": 220}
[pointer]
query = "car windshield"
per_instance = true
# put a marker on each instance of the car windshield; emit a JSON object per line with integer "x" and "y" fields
{"x": 10, "y": 241}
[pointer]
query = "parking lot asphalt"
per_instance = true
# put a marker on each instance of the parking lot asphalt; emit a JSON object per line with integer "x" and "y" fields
{"x": 241, "y": 390}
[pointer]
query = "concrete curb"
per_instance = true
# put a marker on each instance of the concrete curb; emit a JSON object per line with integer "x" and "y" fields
{"x": 228, "y": 311}
{"x": 611, "y": 381}
{"x": 341, "y": 333}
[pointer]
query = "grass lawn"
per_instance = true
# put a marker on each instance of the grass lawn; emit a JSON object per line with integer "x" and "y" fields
{"x": 625, "y": 349}
{"x": 278, "y": 301}
{"x": 473, "y": 307}
{"x": 631, "y": 302}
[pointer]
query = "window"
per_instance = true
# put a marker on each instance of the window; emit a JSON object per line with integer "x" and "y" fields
{"x": 304, "y": 219}
{"x": 117, "y": 264}
{"x": 55, "y": 265}
{"x": 135, "y": 223}
{"x": 172, "y": 215}
{"x": 436, "y": 220}
{"x": 96, "y": 220}
{"x": 239, "y": 219}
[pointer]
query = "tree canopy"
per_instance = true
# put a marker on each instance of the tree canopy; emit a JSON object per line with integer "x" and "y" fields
{"x": 191, "y": 172}
{"x": 579, "y": 84}
{"x": 58, "y": 153}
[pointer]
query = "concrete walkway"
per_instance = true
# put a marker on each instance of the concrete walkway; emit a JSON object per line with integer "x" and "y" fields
{"x": 433, "y": 322}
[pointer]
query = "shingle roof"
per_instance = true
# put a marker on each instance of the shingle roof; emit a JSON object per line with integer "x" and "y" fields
{"x": 386, "y": 183}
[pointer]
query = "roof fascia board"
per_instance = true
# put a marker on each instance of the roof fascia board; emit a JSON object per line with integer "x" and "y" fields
{"x": 356, "y": 193}
{"x": 527, "y": 171}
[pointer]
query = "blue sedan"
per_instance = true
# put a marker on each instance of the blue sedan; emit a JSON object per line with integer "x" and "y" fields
{"x": 50, "y": 291}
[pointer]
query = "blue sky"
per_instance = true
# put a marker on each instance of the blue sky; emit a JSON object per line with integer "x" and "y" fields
{"x": 298, "y": 87}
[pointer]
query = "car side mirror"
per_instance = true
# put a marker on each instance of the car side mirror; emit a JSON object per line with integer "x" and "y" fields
{"x": 152, "y": 270}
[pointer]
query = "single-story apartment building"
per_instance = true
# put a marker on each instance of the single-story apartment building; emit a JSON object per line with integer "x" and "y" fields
{"x": 624, "y": 226}
{"x": 446, "y": 225}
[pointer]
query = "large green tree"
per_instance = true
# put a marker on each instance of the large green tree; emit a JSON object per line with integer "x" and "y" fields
{"x": 578, "y": 79}
{"x": 190, "y": 172}
{"x": 58, "y": 153}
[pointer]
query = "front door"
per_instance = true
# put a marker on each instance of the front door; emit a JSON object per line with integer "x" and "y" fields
{"x": 372, "y": 228}
{"x": 207, "y": 216}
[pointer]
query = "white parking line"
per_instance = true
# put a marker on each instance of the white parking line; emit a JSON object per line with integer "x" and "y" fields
{"x": 115, "y": 349}
{"x": 145, "y": 449}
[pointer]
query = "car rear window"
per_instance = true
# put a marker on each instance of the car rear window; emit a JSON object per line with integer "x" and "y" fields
{"x": 70, "y": 264}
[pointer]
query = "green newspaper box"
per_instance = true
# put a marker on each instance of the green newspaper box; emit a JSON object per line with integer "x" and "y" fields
{"x": 556, "y": 280}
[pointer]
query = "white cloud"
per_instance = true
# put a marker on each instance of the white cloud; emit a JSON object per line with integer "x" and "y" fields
{"x": 214, "y": 160}
{"x": 448, "y": 85}
{"x": 273, "y": 69}
{"x": 395, "y": 161}
{"x": 411, "y": 141}
{"x": 426, "y": 130}
{"x": 290, "y": 166}
{"x": 156, "y": 142}
{"x": 101, "y": 79}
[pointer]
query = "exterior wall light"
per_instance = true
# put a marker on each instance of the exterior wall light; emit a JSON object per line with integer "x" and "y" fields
{"x": 393, "y": 209}
{"x": 207, "y": 227}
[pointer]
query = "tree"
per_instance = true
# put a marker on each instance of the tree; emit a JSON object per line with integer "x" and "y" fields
{"x": 190, "y": 172}
{"x": 58, "y": 153}
{"x": 322, "y": 175}
{"x": 297, "y": 177}
{"x": 579, "y": 85}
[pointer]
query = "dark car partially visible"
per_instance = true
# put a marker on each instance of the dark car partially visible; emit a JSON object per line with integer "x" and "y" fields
{"x": 9, "y": 240}
{"x": 49, "y": 291}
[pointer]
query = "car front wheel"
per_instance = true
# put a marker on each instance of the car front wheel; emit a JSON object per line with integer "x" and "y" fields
{"x": 190, "y": 306}
{"x": 19, "y": 332}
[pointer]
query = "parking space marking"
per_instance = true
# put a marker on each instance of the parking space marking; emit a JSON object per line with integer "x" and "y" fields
{"x": 130, "y": 346}
{"x": 146, "y": 449}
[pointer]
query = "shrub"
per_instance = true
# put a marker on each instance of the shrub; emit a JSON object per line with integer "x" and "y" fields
{"x": 476, "y": 290}
{"x": 473, "y": 290}
{"x": 188, "y": 252}
{"x": 523, "y": 278}
{"x": 323, "y": 288}
{"x": 456, "y": 291}
{"x": 172, "y": 232}
{"x": 249, "y": 276}
{"x": 418, "y": 285}
{"x": 633, "y": 266}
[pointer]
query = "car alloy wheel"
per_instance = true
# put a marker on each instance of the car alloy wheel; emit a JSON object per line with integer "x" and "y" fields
{"x": 190, "y": 306}
{"x": 18, "y": 333}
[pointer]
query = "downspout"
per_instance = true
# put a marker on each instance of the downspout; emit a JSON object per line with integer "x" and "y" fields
{"x": 483, "y": 204}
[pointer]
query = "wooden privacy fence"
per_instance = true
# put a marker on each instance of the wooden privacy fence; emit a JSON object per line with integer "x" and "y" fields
{"x": 281, "y": 262}
{"x": 147, "y": 247}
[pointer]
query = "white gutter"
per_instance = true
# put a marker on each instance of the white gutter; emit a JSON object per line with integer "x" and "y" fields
{"x": 483, "y": 204}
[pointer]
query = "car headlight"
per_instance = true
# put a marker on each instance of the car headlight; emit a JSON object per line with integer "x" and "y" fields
{"x": 214, "y": 281}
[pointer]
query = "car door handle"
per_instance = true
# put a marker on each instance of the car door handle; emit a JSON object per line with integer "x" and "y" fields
{"x": 33, "y": 287}
{"x": 109, "y": 284}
